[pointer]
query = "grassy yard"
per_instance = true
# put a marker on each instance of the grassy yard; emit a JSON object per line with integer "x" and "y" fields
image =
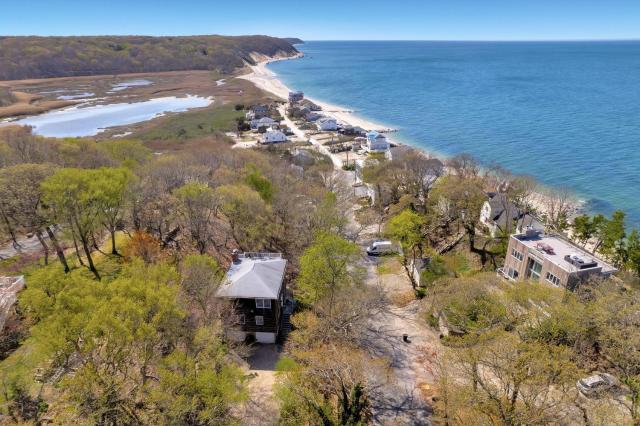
{"x": 194, "y": 124}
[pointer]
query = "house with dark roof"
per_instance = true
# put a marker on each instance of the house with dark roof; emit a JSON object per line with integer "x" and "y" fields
{"x": 499, "y": 214}
{"x": 255, "y": 284}
{"x": 257, "y": 112}
{"x": 296, "y": 96}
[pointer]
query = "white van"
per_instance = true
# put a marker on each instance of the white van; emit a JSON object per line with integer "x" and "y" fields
{"x": 379, "y": 248}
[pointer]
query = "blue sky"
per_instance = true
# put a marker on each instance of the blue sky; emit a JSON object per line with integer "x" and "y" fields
{"x": 330, "y": 19}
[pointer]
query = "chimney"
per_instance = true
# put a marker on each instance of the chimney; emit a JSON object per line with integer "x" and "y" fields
{"x": 235, "y": 256}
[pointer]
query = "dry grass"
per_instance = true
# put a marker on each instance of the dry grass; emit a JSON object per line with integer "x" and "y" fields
{"x": 31, "y": 104}
{"x": 402, "y": 299}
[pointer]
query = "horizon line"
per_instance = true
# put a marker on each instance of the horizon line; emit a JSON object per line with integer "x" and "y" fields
{"x": 488, "y": 40}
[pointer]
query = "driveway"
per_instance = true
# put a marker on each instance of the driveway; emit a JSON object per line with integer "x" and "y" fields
{"x": 261, "y": 408}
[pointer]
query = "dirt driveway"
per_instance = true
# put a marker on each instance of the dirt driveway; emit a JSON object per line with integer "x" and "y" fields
{"x": 411, "y": 364}
{"x": 261, "y": 408}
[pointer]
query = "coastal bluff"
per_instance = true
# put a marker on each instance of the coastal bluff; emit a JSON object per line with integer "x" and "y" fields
{"x": 47, "y": 57}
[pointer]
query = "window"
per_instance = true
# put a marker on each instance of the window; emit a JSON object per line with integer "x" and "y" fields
{"x": 259, "y": 320}
{"x": 263, "y": 303}
{"x": 515, "y": 253}
{"x": 552, "y": 279}
{"x": 513, "y": 273}
{"x": 533, "y": 269}
{"x": 241, "y": 319}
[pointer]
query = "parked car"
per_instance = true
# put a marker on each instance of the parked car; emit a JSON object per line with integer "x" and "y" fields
{"x": 596, "y": 384}
{"x": 379, "y": 248}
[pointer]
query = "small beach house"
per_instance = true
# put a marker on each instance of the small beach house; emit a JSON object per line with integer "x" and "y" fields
{"x": 327, "y": 124}
{"x": 257, "y": 112}
{"x": 255, "y": 285}
{"x": 296, "y": 97}
{"x": 377, "y": 142}
{"x": 262, "y": 122}
{"x": 273, "y": 136}
{"x": 552, "y": 259}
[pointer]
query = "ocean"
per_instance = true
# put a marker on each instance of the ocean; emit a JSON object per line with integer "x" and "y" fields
{"x": 567, "y": 113}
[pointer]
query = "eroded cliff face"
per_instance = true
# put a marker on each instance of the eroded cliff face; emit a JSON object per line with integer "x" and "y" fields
{"x": 45, "y": 57}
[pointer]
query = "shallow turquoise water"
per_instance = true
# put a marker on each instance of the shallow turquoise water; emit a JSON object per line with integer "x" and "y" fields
{"x": 567, "y": 113}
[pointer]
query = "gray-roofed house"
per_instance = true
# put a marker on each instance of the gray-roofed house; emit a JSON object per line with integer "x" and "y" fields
{"x": 257, "y": 112}
{"x": 255, "y": 283}
{"x": 499, "y": 214}
{"x": 296, "y": 96}
{"x": 262, "y": 122}
{"x": 327, "y": 124}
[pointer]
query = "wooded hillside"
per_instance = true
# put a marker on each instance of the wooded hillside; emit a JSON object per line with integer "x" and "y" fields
{"x": 44, "y": 57}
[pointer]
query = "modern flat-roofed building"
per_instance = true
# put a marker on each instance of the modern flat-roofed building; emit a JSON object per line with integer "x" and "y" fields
{"x": 551, "y": 259}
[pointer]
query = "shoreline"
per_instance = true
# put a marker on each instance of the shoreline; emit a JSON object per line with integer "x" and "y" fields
{"x": 264, "y": 78}
{"x": 267, "y": 80}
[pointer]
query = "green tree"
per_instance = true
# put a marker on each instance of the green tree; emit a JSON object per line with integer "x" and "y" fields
{"x": 200, "y": 278}
{"x": 247, "y": 213}
{"x": 21, "y": 195}
{"x": 258, "y": 182}
{"x": 197, "y": 385}
{"x": 326, "y": 266}
{"x": 327, "y": 218}
{"x": 633, "y": 251}
{"x": 70, "y": 194}
{"x": 585, "y": 228}
{"x": 110, "y": 188}
{"x": 198, "y": 207}
{"x": 611, "y": 234}
{"x": 407, "y": 229}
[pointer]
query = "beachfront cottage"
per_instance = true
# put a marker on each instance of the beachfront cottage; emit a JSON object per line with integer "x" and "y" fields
{"x": 312, "y": 116}
{"x": 499, "y": 215}
{"x": 377, "y": 142}
{"x": 257, "y": 112}
{"x": 262, "y": 122}
{"x": 349, "y": 130}
{"x": 273, "y": 136}
{"x": 327, "y": 124}
{"x": 551, "y": 259}
{"x": 295, "y": 97}
{"x": 312, "y": 106}
{"x": 255, "y": 284}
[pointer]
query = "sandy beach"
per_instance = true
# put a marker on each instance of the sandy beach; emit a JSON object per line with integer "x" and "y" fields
{"x": 268, "y": 81}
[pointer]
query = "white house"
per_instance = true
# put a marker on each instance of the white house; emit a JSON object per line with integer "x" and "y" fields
{"x": 262, "y": 122}
{"x": 327, "y": 124}
{"x": 273, "y": 136}
{"x": 377, "y": 142}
